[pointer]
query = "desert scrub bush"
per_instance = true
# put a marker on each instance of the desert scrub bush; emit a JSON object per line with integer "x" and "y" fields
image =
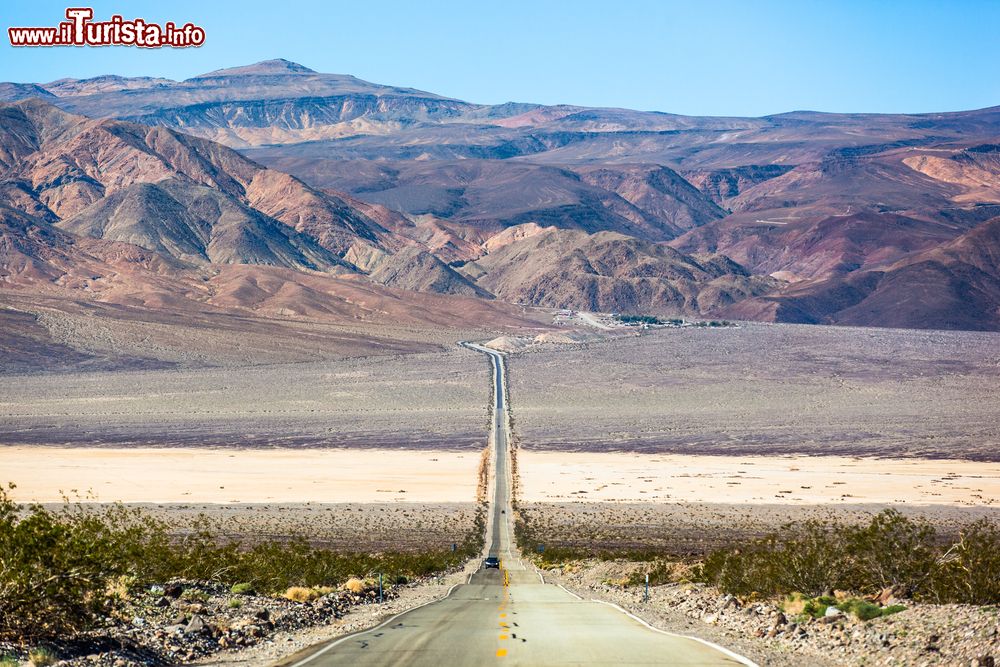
{"x": 354, "y": 585}
{"x": 811, "y": 559}
{"x": 61, "y": 571}
{"x": 53, "y": 572}
{"x": 242, "y": 588}
{"x": 9, "y": 661}
{"x": 802, "y": 607}
{"x": 42, "y": 657}
{"x": 301, "y": 594}
{"x": 890, "y": 552}
{"x": 660, "y": 572}
{"x": 969, "y": 570}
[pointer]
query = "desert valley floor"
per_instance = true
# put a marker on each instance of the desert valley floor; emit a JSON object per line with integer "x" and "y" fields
{"x": 734, "y": 430}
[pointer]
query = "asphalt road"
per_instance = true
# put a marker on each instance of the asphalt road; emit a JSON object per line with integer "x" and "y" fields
{"x": 510, "y": 616}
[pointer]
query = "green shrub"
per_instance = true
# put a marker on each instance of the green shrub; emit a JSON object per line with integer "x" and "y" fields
{"x": 62, "y": 571}
{"x": 9, "y": 661}
{"x": 969, "y": 570}
{"x": 42, "y": 657}
{"x": 54, "y": 571}
{"x": 798, "y": 605}
{"x": 812, "y": 559}
{"x": 242, "y": 589}
{"x": 891, "y": 551}
{"x": 638, "y": 319}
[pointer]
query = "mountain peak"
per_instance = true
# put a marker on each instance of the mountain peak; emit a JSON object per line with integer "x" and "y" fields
{"x": 274, "y": 66}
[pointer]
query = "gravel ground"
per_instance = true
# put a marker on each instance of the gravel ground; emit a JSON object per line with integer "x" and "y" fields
{"x": 921, "y": 635}
{"x": 765, "y": 389}
{"x": 283, "y": 646}
{"x": 697, "y": 528}
{"x": 189, "y": 622}
{"x": 436, "y": 401}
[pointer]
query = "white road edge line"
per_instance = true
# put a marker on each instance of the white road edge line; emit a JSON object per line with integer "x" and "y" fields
{"x": 569, "y": 591}
{"x": 722, "y": 649}
{"x": 363, "y": 632}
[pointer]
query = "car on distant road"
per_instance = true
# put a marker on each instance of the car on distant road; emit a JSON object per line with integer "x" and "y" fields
{"x": 492, "y": 561}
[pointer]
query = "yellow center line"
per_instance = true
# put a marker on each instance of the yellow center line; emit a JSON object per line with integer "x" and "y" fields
{"x": 503, "y": 615}
{"x": 501, "y": 652}
{"x": 504, "y": 637}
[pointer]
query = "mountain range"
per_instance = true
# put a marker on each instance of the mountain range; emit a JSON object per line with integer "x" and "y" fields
{"x": 142, "y": 191}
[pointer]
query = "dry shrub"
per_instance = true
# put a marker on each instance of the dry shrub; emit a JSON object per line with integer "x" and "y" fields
{"x": 354, "y": 585}
{"x": 300, "y": 594}
{"x": 795, "y": 604}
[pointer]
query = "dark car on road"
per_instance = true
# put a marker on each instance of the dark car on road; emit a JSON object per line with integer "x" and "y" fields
{"x": 492, "y": 561}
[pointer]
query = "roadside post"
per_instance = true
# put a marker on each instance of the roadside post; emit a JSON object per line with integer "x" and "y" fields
{"x": 645, "y": 597}
{"x": 380, "y": 587}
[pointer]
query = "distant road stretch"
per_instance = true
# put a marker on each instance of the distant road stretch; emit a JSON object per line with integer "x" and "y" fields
{"x": 509, "y": 616}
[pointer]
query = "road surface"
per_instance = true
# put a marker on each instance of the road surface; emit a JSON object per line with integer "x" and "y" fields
{"x": 510, "y": 616}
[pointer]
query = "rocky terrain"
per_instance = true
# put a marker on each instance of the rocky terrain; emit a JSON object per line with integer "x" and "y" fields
{"x": 919, "y": 635}
{"x": 610, "y": 272}
{"x": 202, "y": 622}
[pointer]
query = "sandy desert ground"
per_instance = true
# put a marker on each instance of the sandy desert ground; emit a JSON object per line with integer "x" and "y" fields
{"x": 766, "y": 389}
{"x": 784, "y": 480}
{"x": 195, "y": 475}
{"x": 690, "y": 504}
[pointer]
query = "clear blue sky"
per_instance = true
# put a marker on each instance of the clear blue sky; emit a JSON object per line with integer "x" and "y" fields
{"x": 716, "y": 57}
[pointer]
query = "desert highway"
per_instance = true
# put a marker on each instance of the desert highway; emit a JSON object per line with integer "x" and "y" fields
{"x": 510, "y": 616}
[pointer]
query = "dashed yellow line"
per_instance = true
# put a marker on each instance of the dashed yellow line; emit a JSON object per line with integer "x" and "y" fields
{"x": 501, "y": 652}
